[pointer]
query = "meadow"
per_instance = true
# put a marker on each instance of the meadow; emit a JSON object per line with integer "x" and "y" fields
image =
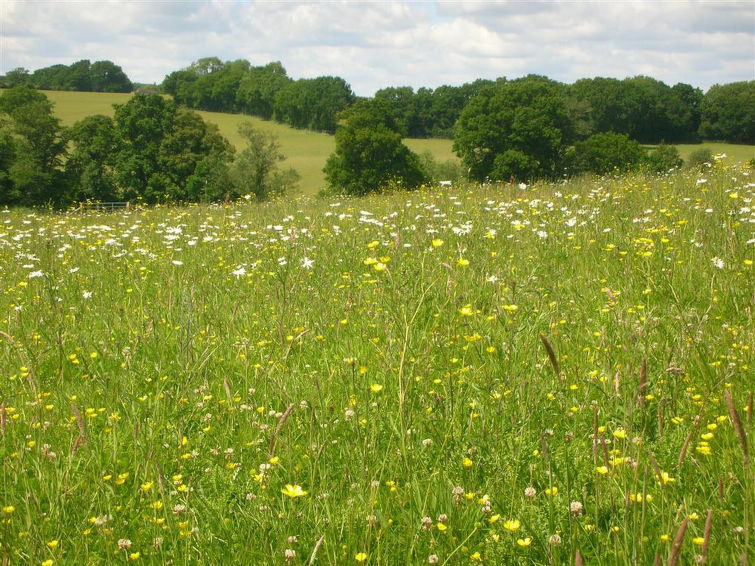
{"x": 543, "y": 374}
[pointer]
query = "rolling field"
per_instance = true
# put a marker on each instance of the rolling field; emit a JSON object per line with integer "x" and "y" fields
{"x": 306, "y": 151}
{"x": 478, "y": 375}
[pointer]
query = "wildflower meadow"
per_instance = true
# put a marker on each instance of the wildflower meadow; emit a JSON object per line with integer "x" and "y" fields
{"x": 559, "y": 373}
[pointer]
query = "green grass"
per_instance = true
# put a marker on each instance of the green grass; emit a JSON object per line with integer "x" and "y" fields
{"x": 71, "y": 107}
{"x": 735, "y": 152}
{"x": 165, "y": 373}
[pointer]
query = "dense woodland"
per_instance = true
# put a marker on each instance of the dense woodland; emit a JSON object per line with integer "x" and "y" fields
{"x": 157, "y": 150}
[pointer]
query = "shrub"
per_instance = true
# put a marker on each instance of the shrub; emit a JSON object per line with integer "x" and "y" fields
{"x": 606, "y": 152}
{"x": 663, "y": 158}
{"x": 699, "y": 158}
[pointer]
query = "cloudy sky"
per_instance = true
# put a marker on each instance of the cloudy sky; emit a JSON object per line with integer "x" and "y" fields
{"x": 378, "y": 44}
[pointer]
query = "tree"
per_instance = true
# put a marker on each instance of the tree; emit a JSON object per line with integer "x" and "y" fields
{"x": 33, "y": 147}
{"x": 607, "y": 152}
{"x": 663, "y": 158}
{"x": 15, "y": 77}
{"x": 167, "y": 153}
{"x": 141, "y": 124}
{"x": 369, "y": 154}
{"x": 514, "y": 129}
{"x": 106, "y": 76}
{"x": 313, "y": 103}
{"x": 256, "y": 169}
{"x": 189, "y": 142}
{"x": 728, "y": 113}
{"x": 259, "y": 87}
{"x": 91, "y": 166}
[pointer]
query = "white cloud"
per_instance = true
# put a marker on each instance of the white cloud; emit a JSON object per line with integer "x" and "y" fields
{"x": 375, "y": 44}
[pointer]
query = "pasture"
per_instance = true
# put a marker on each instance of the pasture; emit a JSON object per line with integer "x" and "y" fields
{"x": 496, "y": 375}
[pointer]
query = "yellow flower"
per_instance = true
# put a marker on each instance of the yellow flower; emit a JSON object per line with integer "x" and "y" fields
{"x": 466, "y": 310}
{"x": 461, "y": 262}
{"x": 8, "y": 509}
{"x": 376, "y": 388}
{"x": 134, "y": 555}
{"x": 442, "y": 527}
{"x": 666, "y": 478}
{"x": 360, "y": 556}
{"x": 602, "y": 470}
{"x": 466, "y": 462}
{"x": 551, "y": 491}
{"x": 620, "y": 433}
{"x": 437, "y": 242}
{"x": 512, "y": 525}
{"x": 48, "y": 562}
{"x": 524, "y": 542}
{"x": 475, "y": 557}
{"x": 53, "y": 544}
{"x": 293, "y": 491}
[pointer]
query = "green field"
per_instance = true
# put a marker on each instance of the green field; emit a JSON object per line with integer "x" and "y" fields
{"x": 306, "y": 151}
{"x": 478, "y": 375}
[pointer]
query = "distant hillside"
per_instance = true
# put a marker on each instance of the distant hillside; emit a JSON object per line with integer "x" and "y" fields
{"x": 306, "y": 151}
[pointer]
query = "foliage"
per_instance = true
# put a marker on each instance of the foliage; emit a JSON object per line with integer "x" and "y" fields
{"x": 369, "y": 154}
{"x": 702, "y": 157}
{"x": 605, "y": 153}
{"x": 728, "y": 113}
{"x": 514, "y": 129}
{"x": 91, "y": 165}
{"x": 32, "y": 149}
{"x": 437, "y": 171}
{"x": 256, "y": 169}
{"x": 313, "y": 103}
{"x": 428, "y": 112}
{"x": 100, "y": 76}
{"x": 663, "y": 158}
{"x": 325, "y": 381}
{"x": 645, "y": 109}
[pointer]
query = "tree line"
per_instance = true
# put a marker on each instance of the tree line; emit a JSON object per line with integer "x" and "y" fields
{"x": 645, "y": 109}
{"x": 150, "y": 151}
{"x": 100, "y": 76}
{"x": 156, "y": 149}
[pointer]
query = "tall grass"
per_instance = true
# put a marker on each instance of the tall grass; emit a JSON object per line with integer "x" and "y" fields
{"x": 484, "y": 374}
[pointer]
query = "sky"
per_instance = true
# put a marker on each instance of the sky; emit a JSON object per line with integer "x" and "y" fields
{"x": 374, "y": 44}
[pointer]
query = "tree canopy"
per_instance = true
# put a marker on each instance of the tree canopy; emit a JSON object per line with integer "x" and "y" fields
{"x": 32, "y": 147}
{"x": 369, "y": 153}
{"x": 728, "y": 113}
{"x": 516, "y": 129}
{"x": 100, "y": 76}
{"x": 151, "y": 150}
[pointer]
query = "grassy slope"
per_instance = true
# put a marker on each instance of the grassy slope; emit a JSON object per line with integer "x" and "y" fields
{"x": 306, "y": 151}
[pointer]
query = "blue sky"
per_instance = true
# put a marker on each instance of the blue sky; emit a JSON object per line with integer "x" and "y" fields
{"x": 378, "y": 44}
